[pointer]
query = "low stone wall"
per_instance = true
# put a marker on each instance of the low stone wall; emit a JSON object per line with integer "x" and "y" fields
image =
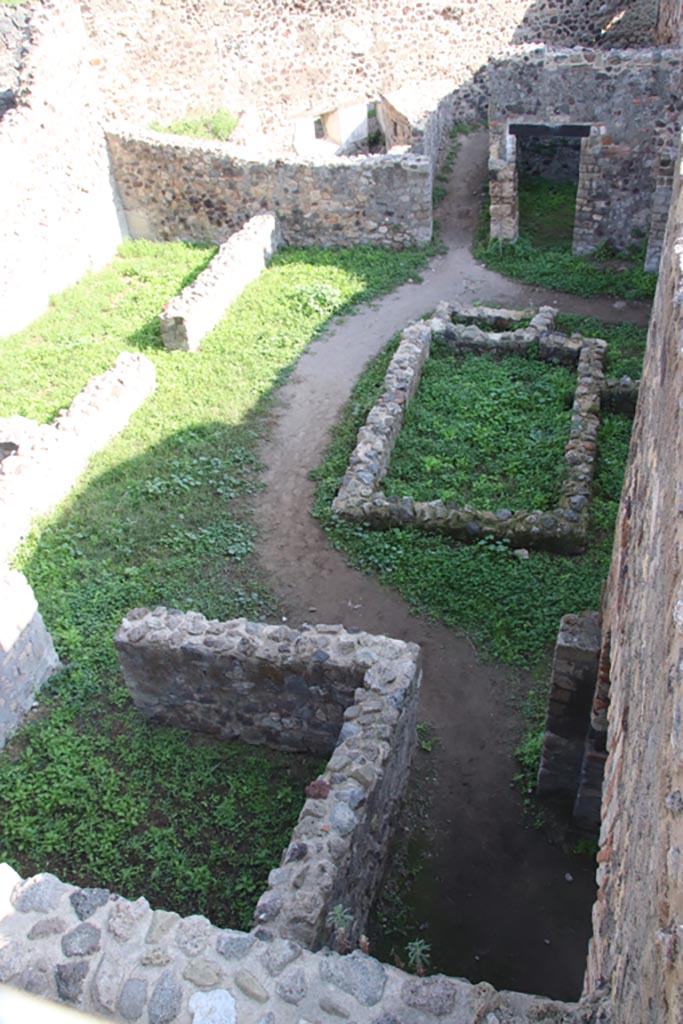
{"x": 45, "y": 461}
{"x": 27, "y": 654}
{"x": 574, "y": 675}
{"x": 95, "y": 951}
{"x": 320, "y": 689}
{"x": 197, "y": 191}
{"x": 188, "y": 318}
{"x": 562, "y": 529}
{"x": 39, "y": 465}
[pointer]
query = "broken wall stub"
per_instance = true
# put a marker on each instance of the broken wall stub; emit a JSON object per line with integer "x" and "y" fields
{"x": 187, "y": 318}
{"x": 619, "y": 96}
{"x": 572, "y": 687}
{"x": 321, "y": 689}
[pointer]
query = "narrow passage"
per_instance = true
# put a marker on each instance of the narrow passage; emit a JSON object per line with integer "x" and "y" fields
{"x": 501, "y": 896}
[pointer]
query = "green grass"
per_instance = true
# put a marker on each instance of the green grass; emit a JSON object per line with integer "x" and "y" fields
{"x": 219, "y": 124}
{"x": 88, "y": 790}
{"x": 510, "y": 608}
{"x": 484, "y": 432}
{"x": 543, "y": 255}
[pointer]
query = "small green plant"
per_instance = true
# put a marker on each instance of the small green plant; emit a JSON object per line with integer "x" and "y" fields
{"x": 419, "y": 956}
{"x": 542, "y": 255}
{"x": 219, "y": 124}
{"x": 425, "y": 737}
{"x": 586, "y": 846}
{"x": 340, "y": 919}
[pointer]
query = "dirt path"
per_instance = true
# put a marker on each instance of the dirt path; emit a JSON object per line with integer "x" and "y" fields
{"x": 502, "y": 908}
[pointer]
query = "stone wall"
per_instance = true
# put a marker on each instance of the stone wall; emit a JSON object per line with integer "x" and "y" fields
{"x": 186, "y": 319}
{"x": 572, "y": 686}
{"x": 58, "y": 207}
{"x": 181, "y": 188}
{"x": 638, "y": 916}
{"x": 318, "y": 689}
{"x": 45, "y": 461}
{"x": 96, "y": 951}
{"x": 619, "y": 95}
{"x": 38, "y": 467}
{"x": 670, "y": 23}
{"x": 27, "y": 654}
{"x": 562, "y": 529}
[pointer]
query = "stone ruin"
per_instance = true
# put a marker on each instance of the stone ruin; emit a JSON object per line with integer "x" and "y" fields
{"x": 562, "y": 529}
{"x": 92, "y": 949}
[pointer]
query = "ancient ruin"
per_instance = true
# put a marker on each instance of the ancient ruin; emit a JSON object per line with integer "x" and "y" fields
{"x": 80, "y": 174}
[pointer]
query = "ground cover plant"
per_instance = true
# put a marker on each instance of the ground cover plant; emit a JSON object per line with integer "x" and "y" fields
{"x": 219, "y": 124}
{"x": 511, "y": 608}
{"x": 484, "y": 432}
{"x": 542, "y": 255}
{"x": 88, "y": 790}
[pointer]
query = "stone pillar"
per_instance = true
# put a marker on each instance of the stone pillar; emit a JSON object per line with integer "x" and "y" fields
{"x": 574, "y": 675}
{"x": 503, "y": 183}
{"x": 589, "y": 208}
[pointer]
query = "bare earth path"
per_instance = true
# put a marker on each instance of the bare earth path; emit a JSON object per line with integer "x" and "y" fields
{"x": 500, "y": 902}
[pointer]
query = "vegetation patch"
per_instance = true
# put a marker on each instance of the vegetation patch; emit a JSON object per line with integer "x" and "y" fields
{"x": 511, "y": 608}
{"x": 542, "y": 255}
{"x": 88, "y": 790}
{"x": 475, "y": 424}
{"x": 219, "y": 124}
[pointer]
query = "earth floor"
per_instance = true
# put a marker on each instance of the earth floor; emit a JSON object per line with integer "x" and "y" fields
{"x": 505, "y": 903}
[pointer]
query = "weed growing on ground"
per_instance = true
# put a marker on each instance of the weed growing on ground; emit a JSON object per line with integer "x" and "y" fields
{"x": 511, "y": 608}
{"x": 88, "y": 790}
{"x": 537, "y": 259}
{"x": 484, "y": 432}
{"x": 218, "y": 124}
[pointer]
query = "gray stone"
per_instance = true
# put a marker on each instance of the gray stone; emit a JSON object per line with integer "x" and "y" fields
{"x": 334, "y": 1008}
{"x": 357, "y": 974}
{"x": 107, "y": 983}
{"x": 86, "y": 901}
{"x": 251, "y": 986}
{"x": 69, "y": 979}
{"x": 156, "y": 956}
{"x": 164, "y": 1006}
{"x": 36, "y": 979}
{"x": 40, "y": 893}
{"x": 234, "y": 945}
{"x": 292, "y": 986}
{"x": 217, "y": 1007}
{"x": 342, "y": 819}
{"x": 435, "y": 995}
{"x": 125, "y": 919}
{"x": 163, "y": 921}
{"x": 267, "y": 1018}
{"x": 13, "y": 960}
{"x": 46, "y": 927}
{"x": 193, "y": 935}
{"x": 386, "y": 1018}
{"x": 202, "y": 973}
{"x": 281, "y": 953}
{"x": 82, "y": 940}
{"x": 133, "y": 998}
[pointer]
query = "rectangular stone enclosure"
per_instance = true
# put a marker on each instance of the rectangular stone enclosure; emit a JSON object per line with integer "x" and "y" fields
{"x": 562, "y": 529}
{"x": 323, "y": 689}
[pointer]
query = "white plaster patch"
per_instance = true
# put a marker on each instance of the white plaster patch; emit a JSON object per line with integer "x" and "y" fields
{"x": 216, "y": 1007}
